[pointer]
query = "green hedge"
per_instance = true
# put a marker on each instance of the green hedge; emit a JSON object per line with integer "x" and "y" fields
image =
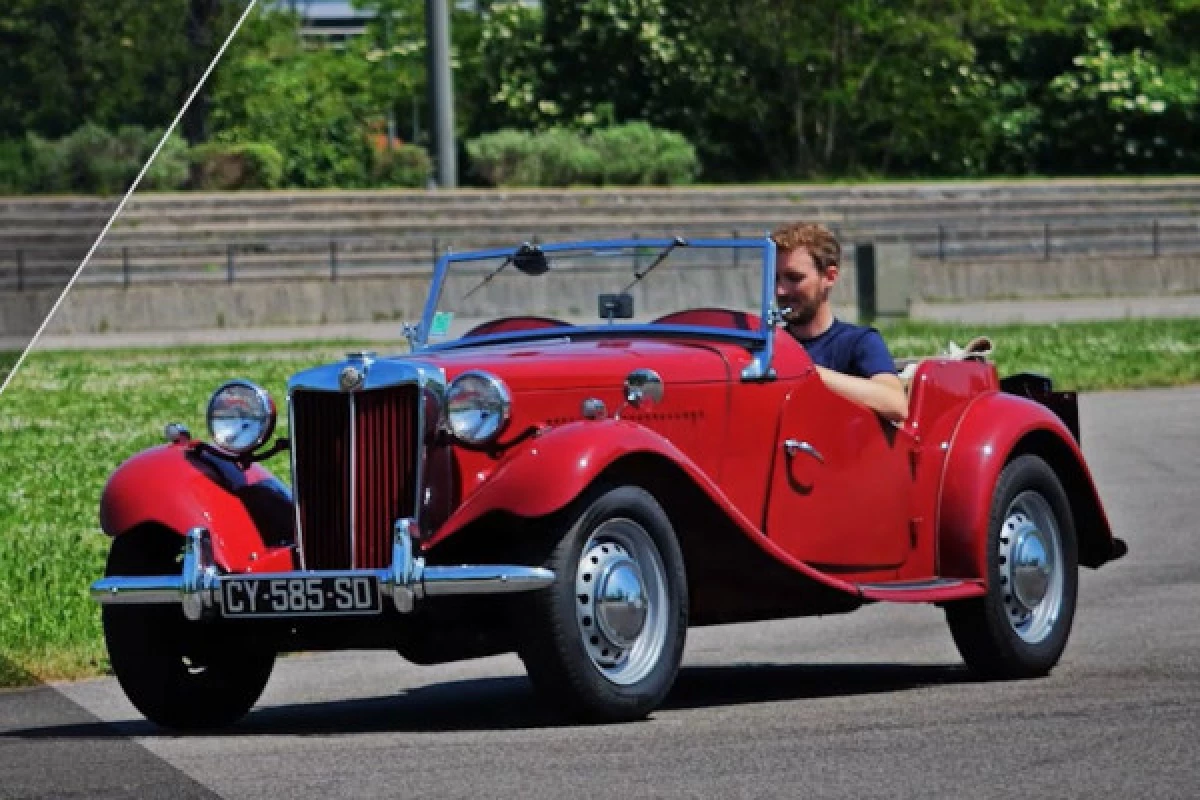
{"x": 407, "y": 165}
{"x": 222, "y": 167}
{"x": 92, "y": 160}
{"x": 633, "y": 154}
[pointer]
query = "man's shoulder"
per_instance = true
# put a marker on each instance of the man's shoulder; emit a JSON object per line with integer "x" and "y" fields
{"x": 849, "y": 330}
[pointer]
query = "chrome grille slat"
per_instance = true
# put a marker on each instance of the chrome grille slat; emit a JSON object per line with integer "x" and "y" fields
{"x": 355, "y": 473}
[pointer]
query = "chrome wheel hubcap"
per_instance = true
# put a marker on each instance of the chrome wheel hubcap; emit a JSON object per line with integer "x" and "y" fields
{"x": 621, "y": 601}
{"x": 1030, "y": 559}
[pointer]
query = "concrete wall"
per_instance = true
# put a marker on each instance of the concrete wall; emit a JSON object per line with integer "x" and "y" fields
{"x": 314, "y": 302}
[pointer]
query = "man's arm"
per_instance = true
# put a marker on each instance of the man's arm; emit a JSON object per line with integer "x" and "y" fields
{"x": 882, "y": 393}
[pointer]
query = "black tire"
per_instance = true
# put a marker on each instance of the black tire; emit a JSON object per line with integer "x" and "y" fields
{"x": 999, "y": 635}
{"x": 180, "y": 674}
{"x": 564, "y": 642}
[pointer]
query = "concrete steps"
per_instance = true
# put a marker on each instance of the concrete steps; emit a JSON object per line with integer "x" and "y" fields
{"x": 185, "y": 236}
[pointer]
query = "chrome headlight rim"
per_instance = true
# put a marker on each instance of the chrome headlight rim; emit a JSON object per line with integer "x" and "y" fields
{"x": 266, "y": 402}
{"x": 503, "y": 406}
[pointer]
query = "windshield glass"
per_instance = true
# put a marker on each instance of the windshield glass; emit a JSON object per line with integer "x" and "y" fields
{"x": 626, "y": 282}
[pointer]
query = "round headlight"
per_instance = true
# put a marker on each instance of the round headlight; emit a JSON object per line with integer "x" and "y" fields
{"x": 478, "y": 406}
{"x": 241, "y": 416}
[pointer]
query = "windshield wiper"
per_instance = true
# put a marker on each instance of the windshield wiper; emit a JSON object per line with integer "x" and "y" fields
{"x": 661, "y": 257}
{"x": 525, "y": 249}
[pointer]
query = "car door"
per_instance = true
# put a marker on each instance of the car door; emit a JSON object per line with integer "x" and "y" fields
{"x": 841, "y": 483}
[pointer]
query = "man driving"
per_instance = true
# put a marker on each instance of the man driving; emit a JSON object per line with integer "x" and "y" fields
{"x": 852, "y": 360}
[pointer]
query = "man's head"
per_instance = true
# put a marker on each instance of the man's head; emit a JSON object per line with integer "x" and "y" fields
{"x": 806, "y": 268}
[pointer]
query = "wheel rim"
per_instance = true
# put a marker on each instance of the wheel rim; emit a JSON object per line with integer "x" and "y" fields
{"x": 621, "y": 604}
{"x": 1031, "y": 567}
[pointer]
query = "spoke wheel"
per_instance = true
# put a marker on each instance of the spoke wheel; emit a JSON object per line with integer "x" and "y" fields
{"x": 604, "y": 642}
{"x": 1020, "y": 628}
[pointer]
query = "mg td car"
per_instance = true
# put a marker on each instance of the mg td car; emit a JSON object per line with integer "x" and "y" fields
{"x": 589, "y": 448}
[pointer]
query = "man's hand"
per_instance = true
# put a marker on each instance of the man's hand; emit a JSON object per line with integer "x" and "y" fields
{"x": 882, "y": 393}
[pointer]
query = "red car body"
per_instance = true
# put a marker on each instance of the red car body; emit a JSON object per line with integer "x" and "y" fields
{"x": 785, "y": 500}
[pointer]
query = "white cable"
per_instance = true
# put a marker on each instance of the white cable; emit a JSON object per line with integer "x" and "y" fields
{"x": 125, "y": 199}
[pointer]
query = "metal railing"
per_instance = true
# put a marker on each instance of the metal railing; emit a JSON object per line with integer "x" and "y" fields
{"x": 348, "y": 257}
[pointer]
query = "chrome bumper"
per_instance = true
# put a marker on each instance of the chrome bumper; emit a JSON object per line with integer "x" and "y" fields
{"x": 198, "y": 588}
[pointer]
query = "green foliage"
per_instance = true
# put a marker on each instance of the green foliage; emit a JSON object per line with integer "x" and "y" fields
{"x": 121, "y": 62}
{"x": 504, "y": 158}
{"x": 94, "y": 160}
{"x": 823, "y": 89}
{"x": 309, "y": 105}
{"x": 623, "y": 155}
{"x": 248, "y": 165}
{"x": 16, "y": 166}
{"x": 406, "y": 165}
{"x": 637, "y": 153}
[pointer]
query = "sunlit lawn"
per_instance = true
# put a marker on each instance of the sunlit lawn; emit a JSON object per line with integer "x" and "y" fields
{"x": 69, "y": 419}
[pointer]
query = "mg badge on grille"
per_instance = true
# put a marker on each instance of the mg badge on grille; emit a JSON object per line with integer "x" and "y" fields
{"x": 350, "y": 378}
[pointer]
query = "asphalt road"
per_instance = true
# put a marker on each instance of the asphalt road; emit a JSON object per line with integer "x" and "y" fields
{"x": 873, "y": 704}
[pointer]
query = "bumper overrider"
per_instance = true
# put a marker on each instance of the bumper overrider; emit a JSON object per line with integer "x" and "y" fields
{"x": 198, "y": 589}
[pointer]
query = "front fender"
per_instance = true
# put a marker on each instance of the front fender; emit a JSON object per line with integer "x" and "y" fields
{"x": 179, "y": 487}
{"x": 543, "y": 474}
{"x": 995, "y": 428}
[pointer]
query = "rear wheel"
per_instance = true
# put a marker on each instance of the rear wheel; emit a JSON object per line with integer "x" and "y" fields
{"x": 1020, "y": 628}
{"x": 605, "y": 641}
{"x": 178, "y": 673}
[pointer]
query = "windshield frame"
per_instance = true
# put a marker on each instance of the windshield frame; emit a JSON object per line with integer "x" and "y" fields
{"x": 759, "y": 342}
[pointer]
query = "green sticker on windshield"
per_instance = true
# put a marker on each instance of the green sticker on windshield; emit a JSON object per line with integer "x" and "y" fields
{"x": 441, "y": 323}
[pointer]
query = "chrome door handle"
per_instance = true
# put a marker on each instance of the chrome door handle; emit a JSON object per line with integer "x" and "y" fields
{"x": 791, "y": 447}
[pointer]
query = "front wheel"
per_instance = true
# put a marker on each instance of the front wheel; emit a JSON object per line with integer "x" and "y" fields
{"x": 605, "y": 641}
{"x": 1020, "y": 627}
{"x": 179, "y": 674}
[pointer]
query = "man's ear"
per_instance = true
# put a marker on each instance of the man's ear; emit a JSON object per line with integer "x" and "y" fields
{"x": 831, "y": 273}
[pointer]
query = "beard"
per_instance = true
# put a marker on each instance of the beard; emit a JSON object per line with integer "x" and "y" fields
{"x": 803, "y": 311}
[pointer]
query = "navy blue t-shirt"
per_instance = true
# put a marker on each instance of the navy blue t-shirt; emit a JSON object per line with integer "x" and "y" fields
{"x": 850, "y": 349}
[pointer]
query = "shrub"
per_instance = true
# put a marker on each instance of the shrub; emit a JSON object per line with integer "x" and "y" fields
{"x": 505, "y": 158}
{"x": 16, "y": 166}
{"x": 632, "y": 154}
{"x": 48, "y": 167}
{"x": 566, "y": 158}
{"x": 248, "y": 165}
{"x": 637, "y": 153}
{"x": 95, "y": 161}
{"x": 406, "y": 165}
{"x": 170, "y": 167}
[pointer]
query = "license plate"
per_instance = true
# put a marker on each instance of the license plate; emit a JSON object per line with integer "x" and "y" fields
{"x": 292, "y": 597}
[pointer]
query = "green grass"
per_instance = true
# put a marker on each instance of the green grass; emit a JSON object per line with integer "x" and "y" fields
{"x": 69, "y": 419}
{"x": 7, "y": 359}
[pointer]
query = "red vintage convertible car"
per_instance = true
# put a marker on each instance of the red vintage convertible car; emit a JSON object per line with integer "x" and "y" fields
{"x": 553, "y": 471}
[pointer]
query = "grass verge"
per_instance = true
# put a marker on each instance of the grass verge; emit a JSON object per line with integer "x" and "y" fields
{"x": 69, "y": 418}
{"x": 7, "y": 359}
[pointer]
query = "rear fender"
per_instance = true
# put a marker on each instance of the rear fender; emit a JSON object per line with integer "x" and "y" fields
{"x": 180, "y": 486}
{"x": 996, "y": 428}
{"x": 546, "y": 473}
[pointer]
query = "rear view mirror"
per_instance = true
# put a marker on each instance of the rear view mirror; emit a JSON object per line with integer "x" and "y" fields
{"x": 530, "y": 260}
{"x": 615, "y": 306}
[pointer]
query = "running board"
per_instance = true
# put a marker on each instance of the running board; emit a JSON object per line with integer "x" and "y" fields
{"x": 935, "y": 590}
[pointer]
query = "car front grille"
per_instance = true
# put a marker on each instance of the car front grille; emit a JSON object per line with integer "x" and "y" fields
{"x": 355, "y": 459}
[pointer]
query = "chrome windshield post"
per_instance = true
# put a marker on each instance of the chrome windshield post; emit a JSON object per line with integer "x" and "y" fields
{"x": 759, "y": 369}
